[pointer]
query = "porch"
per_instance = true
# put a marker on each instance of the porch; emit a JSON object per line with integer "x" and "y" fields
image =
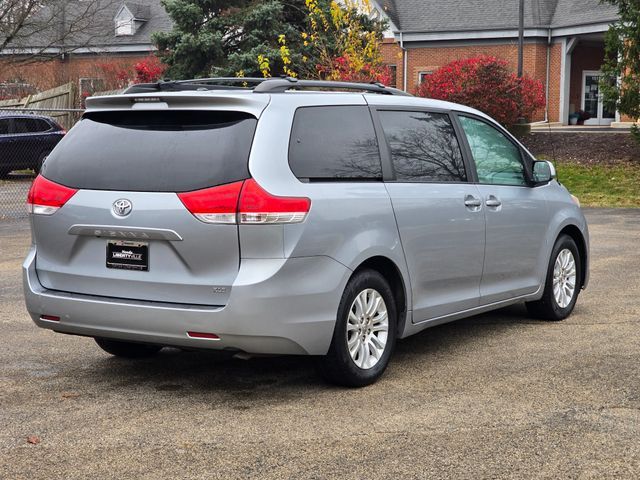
{"x": 580, "y": 74}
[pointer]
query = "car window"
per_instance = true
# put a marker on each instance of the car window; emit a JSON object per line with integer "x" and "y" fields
{"x": 497, "y": 159}
{"x": 38, "y": 125}
{"x": 4, "y": 126}
{"x": 154, "y": 151}
{"x": 337, "y": 142}
{"x": 424, "y": 147}
{"x": 21, "y": 125}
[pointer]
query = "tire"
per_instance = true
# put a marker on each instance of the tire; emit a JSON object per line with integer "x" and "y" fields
{"x": 127, "y": 349}
{"x": 550, "y": 306}
{"x": 372, "y": 355}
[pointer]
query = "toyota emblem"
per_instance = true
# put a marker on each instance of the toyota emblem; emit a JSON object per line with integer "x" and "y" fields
{"x": 122, "y": 207}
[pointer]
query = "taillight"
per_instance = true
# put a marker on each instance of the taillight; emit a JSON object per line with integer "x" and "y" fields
{"x": 46, "y": 197}
{"x": 214, "y": 205}
{"x": 244, "y": 202}
{"x": 259, "y": 206}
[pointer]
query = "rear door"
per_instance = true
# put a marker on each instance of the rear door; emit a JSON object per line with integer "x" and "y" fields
{"x": 517, "y": 214}
{"x": 126, "y": 233}
{"x": 439, "y": 214}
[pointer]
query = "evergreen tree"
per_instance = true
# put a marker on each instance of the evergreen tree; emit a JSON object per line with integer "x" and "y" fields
{"x": 225, "y": 37}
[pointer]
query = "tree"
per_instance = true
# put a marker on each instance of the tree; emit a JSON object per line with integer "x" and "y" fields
{"x": 267, "y": 38}
{"x": 621, "y": 82}
{"x": 224, "y": 37}
{"x": 32, "y": 28}
{"x": 487, "y": 84}
{"x": 343, "y": 42}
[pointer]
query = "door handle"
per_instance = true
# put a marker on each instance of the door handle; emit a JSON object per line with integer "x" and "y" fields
{"x": 472, "y": 202}
{"x": 493, "y": 202}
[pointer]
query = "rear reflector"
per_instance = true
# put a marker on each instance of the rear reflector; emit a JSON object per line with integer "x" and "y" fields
{"x": 244, "y": 202}
{"x": 51, "y": 318}
{"x": 208, "y": 336}
{"x": 46, "y": 197}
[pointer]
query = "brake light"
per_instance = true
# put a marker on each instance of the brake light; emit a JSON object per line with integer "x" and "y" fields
{"x": 46, "y": 197}
{"x": 214, "y": 205}
{"x": 244, "y": 202}
{"x": 259, "y": 206}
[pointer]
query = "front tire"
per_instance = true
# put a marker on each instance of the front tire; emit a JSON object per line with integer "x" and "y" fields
{"x": 127, "y": 349}
{"x": 563, "y": 282}
{"x": 365, "y": 332}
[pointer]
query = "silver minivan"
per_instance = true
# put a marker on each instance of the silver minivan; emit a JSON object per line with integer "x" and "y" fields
{"x": 283, "y": 216}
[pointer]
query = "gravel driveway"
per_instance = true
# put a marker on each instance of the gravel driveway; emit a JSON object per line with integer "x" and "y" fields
{"x": 495, "y": 396}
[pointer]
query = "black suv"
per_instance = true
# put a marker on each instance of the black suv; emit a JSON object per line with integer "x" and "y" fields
{"x": 26, "y": 140}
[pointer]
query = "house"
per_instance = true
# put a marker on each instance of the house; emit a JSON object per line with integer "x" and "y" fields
{"x": 72, "y": 42}
{"x": 564, "y": 45}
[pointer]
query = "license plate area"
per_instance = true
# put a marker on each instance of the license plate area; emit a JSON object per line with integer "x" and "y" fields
{"x": 126, "y": 255}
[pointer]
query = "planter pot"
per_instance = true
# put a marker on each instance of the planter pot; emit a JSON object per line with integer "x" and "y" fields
{"x": 573, "y": 120}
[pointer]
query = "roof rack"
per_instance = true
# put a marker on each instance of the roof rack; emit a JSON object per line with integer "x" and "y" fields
{"x": 260, "y": 85}
{"x": 280, "y": 85}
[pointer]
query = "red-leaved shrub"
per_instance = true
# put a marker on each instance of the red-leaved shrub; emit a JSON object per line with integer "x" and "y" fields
{"x": 149, "y": 70}
{"x": 487, "y": 84}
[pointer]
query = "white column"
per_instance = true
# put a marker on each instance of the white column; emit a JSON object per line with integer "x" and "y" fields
{"x": 568, "y": 45}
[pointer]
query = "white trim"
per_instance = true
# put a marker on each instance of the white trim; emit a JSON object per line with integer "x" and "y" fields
{"x": 141, "y": 48}
{"x": 470, "y": 35}
{"x": 501, "y": 34}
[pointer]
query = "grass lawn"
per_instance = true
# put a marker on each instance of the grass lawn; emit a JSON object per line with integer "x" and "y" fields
{"x": 602, "y": 185}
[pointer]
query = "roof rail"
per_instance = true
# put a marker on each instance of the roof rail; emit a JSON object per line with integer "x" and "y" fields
{"x": 259, "y": 85}
{"x": 195, "y": 84}
{"x": 279, "y": 85}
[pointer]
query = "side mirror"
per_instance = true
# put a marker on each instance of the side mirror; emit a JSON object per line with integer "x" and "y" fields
{"x": 543, "y": 172}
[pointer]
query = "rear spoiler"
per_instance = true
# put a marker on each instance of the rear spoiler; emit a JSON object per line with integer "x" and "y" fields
{"x": 253, "y": 104}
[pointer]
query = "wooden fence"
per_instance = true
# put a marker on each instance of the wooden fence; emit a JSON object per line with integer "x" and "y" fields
{"x": 58, "y": 103}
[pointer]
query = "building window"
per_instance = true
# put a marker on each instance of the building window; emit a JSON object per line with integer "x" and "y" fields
{"x": 422, "y": 76}
{"x": 124, "y": 28}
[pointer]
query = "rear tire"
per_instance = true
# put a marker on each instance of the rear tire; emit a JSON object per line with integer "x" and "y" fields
{"x": 127, "y": 349}
{"x": 365, "y": 333}
{"x": 563, "y": 282}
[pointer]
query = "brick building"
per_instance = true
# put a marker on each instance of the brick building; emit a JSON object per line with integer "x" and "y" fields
{"x": 116, "y": 32}
{"x": 564, "y": 45}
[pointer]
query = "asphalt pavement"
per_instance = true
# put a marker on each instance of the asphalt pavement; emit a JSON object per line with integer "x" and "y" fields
{"x": 495, "y": 396}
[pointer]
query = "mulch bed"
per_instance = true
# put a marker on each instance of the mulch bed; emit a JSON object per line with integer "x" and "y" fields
{"x": 585, "y": 148}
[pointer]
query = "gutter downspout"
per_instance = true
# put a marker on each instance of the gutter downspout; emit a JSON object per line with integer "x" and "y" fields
{"x": 405, "y": 55}
{"x": 546, "y": 85}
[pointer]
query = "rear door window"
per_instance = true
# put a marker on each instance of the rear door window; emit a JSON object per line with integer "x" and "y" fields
{"x": 154, "y": 151}
{"x": 334, "y": 143}
{"x": 424, "y": 147}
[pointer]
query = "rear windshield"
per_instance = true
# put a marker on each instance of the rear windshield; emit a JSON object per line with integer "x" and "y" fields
{"x": 153, "y": 151}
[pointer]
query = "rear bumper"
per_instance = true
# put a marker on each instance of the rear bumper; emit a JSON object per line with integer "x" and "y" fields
{"x": 276, "y": 306}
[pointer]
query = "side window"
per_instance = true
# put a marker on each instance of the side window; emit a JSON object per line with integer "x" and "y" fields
{"x": 39, "y": 125}
{"x": 498, "y": 160}
{"x": 334, "y": 143}
{"x": 4, "y": 126}
{"x": 424, "y": 147}
{"x": 20, "y": 125}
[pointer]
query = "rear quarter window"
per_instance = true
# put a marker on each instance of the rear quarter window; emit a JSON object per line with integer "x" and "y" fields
{"x": 334, "y": 143}
{"x": 154, "y": 151}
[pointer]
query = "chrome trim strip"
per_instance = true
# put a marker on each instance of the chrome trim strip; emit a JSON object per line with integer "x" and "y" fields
{"x": 132, "y": 233}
